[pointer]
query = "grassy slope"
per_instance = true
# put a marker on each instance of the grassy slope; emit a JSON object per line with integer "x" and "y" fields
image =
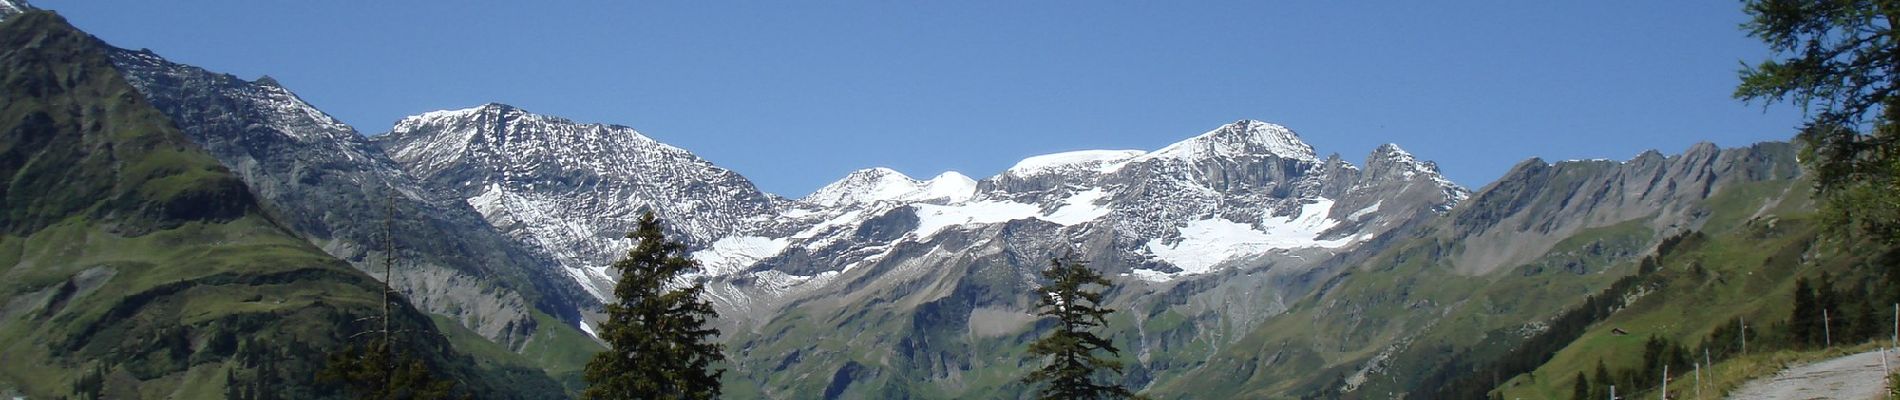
{"x": 824, "y": 351}
{"x": 1410, "y": 309}
{"x": 561, "y": 351}
{"x": 132, "y": 257}
{"x": 1411, "y": 300}
{"x": 1750, "y": 272}
{"x": 1406, "y": 307}
{"x": 559, "y": 354}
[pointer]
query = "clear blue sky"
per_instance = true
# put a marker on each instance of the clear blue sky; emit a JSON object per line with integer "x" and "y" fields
{"x": 796, "y": 94}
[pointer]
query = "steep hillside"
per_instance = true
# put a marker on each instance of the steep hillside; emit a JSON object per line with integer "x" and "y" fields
{"x": 329, "y": 185}
{"x": 1466, "y": 288}
{"x": 136, "y": 265}
{"x": 1689, "y": 306}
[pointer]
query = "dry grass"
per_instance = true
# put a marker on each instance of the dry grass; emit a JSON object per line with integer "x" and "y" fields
{"x": 1733, "y": 373}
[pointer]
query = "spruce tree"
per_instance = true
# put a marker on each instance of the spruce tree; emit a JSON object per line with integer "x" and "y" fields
{"x": 659, "y": 344}
{"x": 1802, "y": 323}
{"x": 1582, "y": 390}
{"x": 1071, "y": 349}
{"x": 1827, "y": 303}
{"x": 1867, "y": 319}
{"x": 1603, "y": 381}
{"x": 371, "y": 371}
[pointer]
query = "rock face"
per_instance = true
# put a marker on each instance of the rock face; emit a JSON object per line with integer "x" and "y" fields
{"x": 570, "y": 189}
{"x": 1429, "y": 301}
{"x": 1243, "y": 189}
{"x": 952, "y": 254}
{"x": 1537, "y": 203}
{"x": 1219, "y": 228}
{"x": 334, "y": 188}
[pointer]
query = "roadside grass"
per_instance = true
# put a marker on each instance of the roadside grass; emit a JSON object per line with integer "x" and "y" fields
{"x": 1735, "y": 372}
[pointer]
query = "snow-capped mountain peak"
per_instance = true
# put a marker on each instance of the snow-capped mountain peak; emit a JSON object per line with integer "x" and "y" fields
{"x": 505, "y": 132}
{"x": 1240, "y": 139}
{"x": 496, "y": 110}
{"x": 864, "y": 185}
{"x": 951, "y": 186}
{"x": 872, "y": 185}
{"x": 572, "y": 189}
{"x": 1390, "y": 163}
{"x": 1392, "y": 149}
{"x": 1390, "y": 160}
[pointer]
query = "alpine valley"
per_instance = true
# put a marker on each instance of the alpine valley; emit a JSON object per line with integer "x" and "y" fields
{"x": 1244, "y": 263}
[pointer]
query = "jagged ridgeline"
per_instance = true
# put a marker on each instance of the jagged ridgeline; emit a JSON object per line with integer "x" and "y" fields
{"x": 1465, "y": 302}
{"x": 173, "y": 231}
{"x": 1242, "y": 259}
{"x": 135, "y": 266}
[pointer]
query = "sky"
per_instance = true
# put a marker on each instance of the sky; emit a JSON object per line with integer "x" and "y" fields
{"x": 796, "y": 94}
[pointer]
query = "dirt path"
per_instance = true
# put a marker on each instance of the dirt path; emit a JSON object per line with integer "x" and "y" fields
{"x": 1855, "y": 376}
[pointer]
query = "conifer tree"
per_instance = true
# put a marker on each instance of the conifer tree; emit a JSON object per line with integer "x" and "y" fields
{"x": 1840, "y": 61}
{"x": 1582, "y": 391}
{"x": 659, "y": 344}
{"x": 1071, "y": 350}
{"x": 370, "y": 371}
{"x": 1802, "y": 323}
{"x": 1827, "y": 313}
{"x": 375, "y": 370}
{"x": 1603, "y": 381}
{"x": 1866, "y": 320}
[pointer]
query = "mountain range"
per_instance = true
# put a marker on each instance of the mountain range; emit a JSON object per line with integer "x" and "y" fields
{"x": 1244, "y": 264}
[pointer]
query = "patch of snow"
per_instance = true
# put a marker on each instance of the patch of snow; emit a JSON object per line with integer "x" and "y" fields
{"x": 798, "y": 212}
{"x": 845, "y": 219}
{"x": 933, "y": 218}
{"x": 1207, "y": 243}
{"x": 1079, "y": 208}
{"x": 1100, "y": 160}
{"x": 734, "y": 254}
{"x": 779, "y": 283}
{"x": 1365, "y": 211}
{"x": 1151, "y": 275}
{"x": 1301, "y": 230}
{"x": 877, "y": 253}
{"x": 589, "y": 329}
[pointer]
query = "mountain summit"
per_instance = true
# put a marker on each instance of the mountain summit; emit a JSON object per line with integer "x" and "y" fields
{"x": 1244, "y": 138}
{"x": 884, "y": 184}
{"x": 571, "y": 189}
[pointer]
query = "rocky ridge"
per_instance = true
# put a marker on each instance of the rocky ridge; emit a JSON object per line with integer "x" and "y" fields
{"x": 569, "y": 189}
{"x": 331, "y": 186}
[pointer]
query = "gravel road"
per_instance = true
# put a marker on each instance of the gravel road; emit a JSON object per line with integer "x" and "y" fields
{"x": 1855, "y": 376}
